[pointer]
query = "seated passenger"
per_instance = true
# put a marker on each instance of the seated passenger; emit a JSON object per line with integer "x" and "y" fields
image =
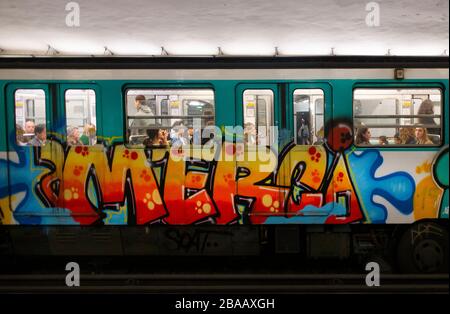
{"x": 29, "y": 127}
{"x": 162, "y": 135}
{"x": 382, "y": 140}
{"x": 88, "y": 137}
{"x": 173, "y": 131}
{"x": 181, "y": 136}
{"x": 40, "y": 135}
{"x": 407, "y": 136}
{"x": 73, "y": 136}
{"x": 152, "y": 139}
{"x": 363, "y": 136}
{"x": 178, "y": 134}
{"x": 422, "y": 137}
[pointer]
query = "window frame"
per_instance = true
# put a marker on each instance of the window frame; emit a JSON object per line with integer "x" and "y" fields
{"x": 93, "y": 88}
{"x": 416, "y": 86}
{"x": 273, "y": 109}
{"x": 47, "y": 109}
{"x": 294, "y": 129}
{"x": 126, "y": 88}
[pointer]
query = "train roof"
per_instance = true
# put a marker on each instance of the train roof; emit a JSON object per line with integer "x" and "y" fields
{"x": 224, "y": 62}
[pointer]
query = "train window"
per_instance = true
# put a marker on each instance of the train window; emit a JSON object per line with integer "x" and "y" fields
{"x": 81, "y": 116}
{"x": 158, "y": 117}
{"x": 406, "y": 116}
{"x": 308, "y": 112}
{"x": 258, "y": 116}
{"x": 30, "y": 117}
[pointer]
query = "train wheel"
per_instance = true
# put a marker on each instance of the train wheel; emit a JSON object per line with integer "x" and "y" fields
{"x": 423, "y": 248}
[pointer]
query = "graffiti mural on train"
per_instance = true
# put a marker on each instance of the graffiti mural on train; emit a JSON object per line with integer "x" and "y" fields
{"x": 112, "y": 184}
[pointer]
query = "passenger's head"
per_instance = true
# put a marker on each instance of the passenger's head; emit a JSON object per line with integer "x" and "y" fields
{"x": 426, "y": 107}
{"x": 139, "y": 101}
{"x": 382, "y": 140}
{"x": 29, "y": 127}
{"x": 153, "y": 135}
{"x": 422, "y": 135}
{"x": 406, "y": 134}
{"x": 363, "y": 135}
{"x": 178, "y": 128}
{"x": 40, "y": 132}
{"x": 162, "y": 134}
{"x": 397, "y": 139}
{"x": 73, "y": 132}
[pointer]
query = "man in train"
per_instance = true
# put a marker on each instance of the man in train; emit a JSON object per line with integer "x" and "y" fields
{"x": 28, "y": 132}
{"x": 29, "y": 127}
{"x": 40, "y": 135}
{"x": 139, "y": 126}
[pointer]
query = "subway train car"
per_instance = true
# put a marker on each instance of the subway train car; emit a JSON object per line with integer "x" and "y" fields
{"x": 318, "y": 156}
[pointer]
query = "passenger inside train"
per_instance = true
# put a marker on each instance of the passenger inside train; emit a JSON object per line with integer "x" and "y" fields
{"x": 40, "y": 135}
{"x": 397, "y": 116}
{"x": 161, "y": 117}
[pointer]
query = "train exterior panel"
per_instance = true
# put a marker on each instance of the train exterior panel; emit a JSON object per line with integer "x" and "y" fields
{"x": 333, "y": 181}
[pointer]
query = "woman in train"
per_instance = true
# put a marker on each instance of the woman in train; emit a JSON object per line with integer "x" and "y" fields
{"x": 382, "y": 140}
{"x": 73, "y": 136}
{"x": 152, "y": 138}
{"x": 422, "y": 136}
{"x": 407, "y": 136}
{"x": 163, "y": 137}
{"x": 363, "y": 136}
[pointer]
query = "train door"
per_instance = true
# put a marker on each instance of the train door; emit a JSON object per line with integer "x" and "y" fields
{"x": 79, "y": 128}
{"x": 258, "y": 113}
{"x": 33, "y": 177}
{"x": 304, "y": 164}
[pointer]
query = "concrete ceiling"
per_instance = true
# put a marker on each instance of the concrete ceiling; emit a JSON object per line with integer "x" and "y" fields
{"x": 198, "y": 27}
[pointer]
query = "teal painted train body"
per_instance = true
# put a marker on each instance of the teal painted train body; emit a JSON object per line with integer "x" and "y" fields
{"x": 334, "y": 181}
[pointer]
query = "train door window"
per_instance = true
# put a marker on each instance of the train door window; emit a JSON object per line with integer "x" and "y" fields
{"x": 30, "y": 117}
{"x": 81, "y": 121}
{"x": 397, "y": 117}
{"x": 308, "y": 109}
{"x": 258, "y": 116}
{"x": 158, "y": 117}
